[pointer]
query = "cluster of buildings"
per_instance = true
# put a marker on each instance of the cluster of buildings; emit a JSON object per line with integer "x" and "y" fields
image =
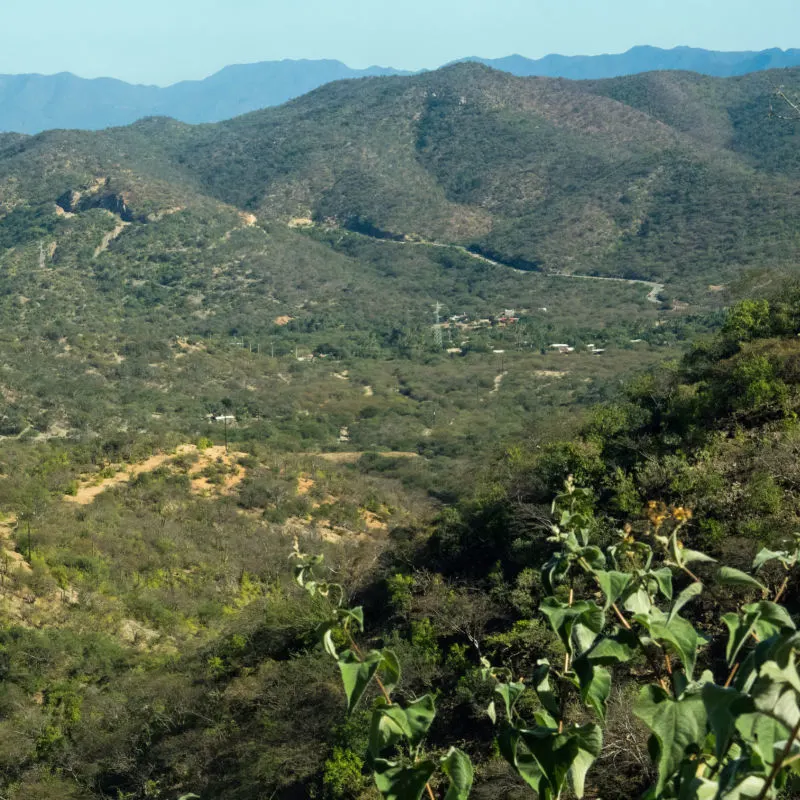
{"x": 559, "y": 347}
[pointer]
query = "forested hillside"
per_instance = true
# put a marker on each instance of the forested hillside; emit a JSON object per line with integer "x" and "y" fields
{"x": 385, "y": 323}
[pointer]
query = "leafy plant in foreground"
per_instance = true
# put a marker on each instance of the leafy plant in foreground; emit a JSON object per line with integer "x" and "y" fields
{"x": 401, "y": 768}
{"x": 732, "y": 735}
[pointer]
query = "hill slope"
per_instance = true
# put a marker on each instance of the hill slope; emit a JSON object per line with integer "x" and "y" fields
{"x": 609, "y": 178}
{"x": 537, "y": 172}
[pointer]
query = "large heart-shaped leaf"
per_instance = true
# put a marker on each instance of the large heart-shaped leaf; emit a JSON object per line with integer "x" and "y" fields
{"x": 540, "y": 683}
{"x": 589, "y": 740}
{"x": 563, "y": 756}
{"x": 678, "y": 633}
{"x": 677, "y": 725}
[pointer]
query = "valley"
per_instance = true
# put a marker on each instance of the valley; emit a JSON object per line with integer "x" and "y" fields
{"x": 383, "y": 323}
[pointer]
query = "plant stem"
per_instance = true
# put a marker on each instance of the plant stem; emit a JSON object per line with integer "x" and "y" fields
{"x": 566, "y": 655}
{"x": 778, "y": 765}
{"x": 357, "y": 651}
{"x": 732, "y": 675}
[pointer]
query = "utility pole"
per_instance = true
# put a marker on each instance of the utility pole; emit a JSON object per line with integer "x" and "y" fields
{"x": 225, "y": 420}
{"x": 41, "y": 255}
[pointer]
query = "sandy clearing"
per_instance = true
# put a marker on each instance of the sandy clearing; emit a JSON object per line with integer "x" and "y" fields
{"x": 89, "y": 490}
{"x": 498, "y": 381}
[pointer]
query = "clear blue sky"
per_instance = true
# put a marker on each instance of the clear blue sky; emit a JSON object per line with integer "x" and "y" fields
{"x": 162, "y": 41}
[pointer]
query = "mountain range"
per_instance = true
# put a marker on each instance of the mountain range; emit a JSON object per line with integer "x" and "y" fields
{"x": 32, "y": 103}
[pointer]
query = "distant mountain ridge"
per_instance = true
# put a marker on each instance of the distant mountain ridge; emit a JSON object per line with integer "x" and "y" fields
{"x": 33, "y": 103}
{"x": 716, "y": 63}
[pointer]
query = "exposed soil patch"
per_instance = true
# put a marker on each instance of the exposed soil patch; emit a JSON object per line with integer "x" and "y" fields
{"x": 89, "y": 489}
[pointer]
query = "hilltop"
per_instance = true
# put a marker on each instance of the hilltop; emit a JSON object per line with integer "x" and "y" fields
{"x": 616, "y": 178}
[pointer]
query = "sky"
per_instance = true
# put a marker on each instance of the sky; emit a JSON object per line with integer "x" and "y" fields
{"x": 164, "y": 41}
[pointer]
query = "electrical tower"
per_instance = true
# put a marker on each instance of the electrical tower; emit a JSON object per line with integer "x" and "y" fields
{"x": 41, "y": 255}
{"x": 437, "y": 330}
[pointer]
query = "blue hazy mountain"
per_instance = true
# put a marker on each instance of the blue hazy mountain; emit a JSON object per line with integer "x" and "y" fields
{"x": 646, "y": 59}
{"x": 32, "y": 103}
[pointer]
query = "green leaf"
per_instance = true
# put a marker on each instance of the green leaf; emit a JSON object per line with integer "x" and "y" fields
{"x": 613, "y": 585}
{"x": 510, "y": 692}
{"x": 723, "y": 707}
{"x": 399, "y": 782}
{"x": 390, "y": 669}
{"x": 762, "y": 733}
{"x": 677, "y": 632}
{"x": 681, "y": 556}
{"x": 595, "y": 685}
{"x": 593, "y": 556}
{"x": 420, "y": 716}
{"x": 728, "y": 576}
{"x": 639, "y": 602}
{"x": 523, "y": 763}
{"x": 458, "y": 768}
{"x": 540, "y": 683}
{"x": 577, "y": 625}
{"x": 352, "y": 615}
{"x": 764, "y": 618}
{"x": 688, "y": 594}
{"x": 749, "y": 789}
{"x": 617, "y": 649}
{"x": 772, "y": 618}
{"x": 765, "y": 555}
{"x": 589, "y": 740}
{"x": 677, "y": 726}
{"x": 330, "y": 647}
{"x": 357, "y": 674}
{"x": 560, "y": 756}
{"x": 698, "y": 789}
{"x": 740, "y": 626}
{"x": 663, "y": 577}
{"x": 387, "y": 727}
{"x": 690, "y": 556}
